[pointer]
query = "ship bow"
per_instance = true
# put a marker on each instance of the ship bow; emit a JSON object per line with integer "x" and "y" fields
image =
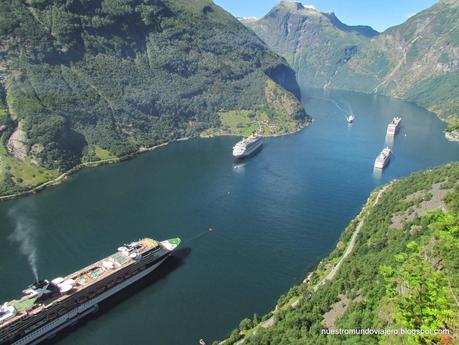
{"x": 172, "y": 243}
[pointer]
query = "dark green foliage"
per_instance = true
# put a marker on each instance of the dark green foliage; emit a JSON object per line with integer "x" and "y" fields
{"x": 245, "y": 324}
{"x": 8, "y": 184}
{"x": 453, "y": 126}
{"x": 316, "y": 44}
{"x": 420, "y": 259}
{"x": 125, "y": 74}
{"x": 453, "y": 200}
{"x": 419, "y": 293}
{"x": 413, "y": 61}
{"x": 438, "y": 93}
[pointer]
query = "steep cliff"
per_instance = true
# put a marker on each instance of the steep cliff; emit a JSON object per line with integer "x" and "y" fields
{"x": 314, "y": 43}
{"x": 87, "y": 80}
{"x": 417, "y": 60}
{"x": 394, "y": 268}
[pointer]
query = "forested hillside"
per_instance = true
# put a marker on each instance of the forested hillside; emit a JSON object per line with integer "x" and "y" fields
{"x": 87, "y": 80}
{"x": 417, "y": 60}
{"x": 402, "y": 273}
{"x": 314, "y": 43}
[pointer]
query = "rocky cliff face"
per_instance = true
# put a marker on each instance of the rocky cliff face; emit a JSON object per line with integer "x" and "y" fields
{"x": 417, "y": 60}
{"x": 94, "y": 79}
{"x": 314, "y": 43}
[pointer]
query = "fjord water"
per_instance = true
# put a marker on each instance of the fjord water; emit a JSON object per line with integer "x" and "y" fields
{"x": 273, "y": 217}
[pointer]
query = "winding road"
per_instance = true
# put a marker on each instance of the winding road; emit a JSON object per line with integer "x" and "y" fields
{"x": 351, "y": 245}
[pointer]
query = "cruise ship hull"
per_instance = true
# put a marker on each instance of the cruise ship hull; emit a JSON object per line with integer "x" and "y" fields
{"x": 250, "y": 151}
{"x": 394, "y": 126}
{"x": 393, "y": 130}
{"x": 383, "y": 158}
{"x": 50, "y": 329}
{"x": 46, "y": 306}
{"x": 382, "y": 165}
{"x": 382, "y": 162}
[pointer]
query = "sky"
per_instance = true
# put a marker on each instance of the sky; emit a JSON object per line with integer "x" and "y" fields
{"x": 380, "y": 14}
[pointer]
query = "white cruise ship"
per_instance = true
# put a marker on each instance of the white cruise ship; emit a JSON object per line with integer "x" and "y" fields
{"x": 394, "y": 126}
{"x": 383, "y": 158}
{"x": 50, "y": 306}
{"x": 247, "y": 146}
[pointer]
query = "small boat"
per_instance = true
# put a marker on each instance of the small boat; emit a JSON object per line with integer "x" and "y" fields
{"x": 350, "y": 118}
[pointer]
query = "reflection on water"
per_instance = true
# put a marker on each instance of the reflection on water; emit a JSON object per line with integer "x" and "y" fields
{"x": 377, "y": 173}
{"x": 286, "y": 206}
{"x": 389, "y": 140}
{"x": 238, "y": 166}
{"x": 240, "y": 163}
{"x": 174, "y": 262}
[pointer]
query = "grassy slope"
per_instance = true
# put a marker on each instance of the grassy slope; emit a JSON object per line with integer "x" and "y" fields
{"x": 384, "y": 260}
{"x": 283, "y": 115}
{"x": 102, "y": 79}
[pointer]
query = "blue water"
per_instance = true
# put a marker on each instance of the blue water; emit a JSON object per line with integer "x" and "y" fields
{"x": 273, "y": 217}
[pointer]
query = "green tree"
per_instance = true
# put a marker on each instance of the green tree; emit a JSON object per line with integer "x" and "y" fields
{"x": 419, "y": 293}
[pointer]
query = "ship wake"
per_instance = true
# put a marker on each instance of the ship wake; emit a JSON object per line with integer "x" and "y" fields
{"x": 345, "y": 108}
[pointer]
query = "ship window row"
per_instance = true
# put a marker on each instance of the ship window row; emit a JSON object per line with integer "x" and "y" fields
{"x": 50, "y": 325}
{"x": 27, "y": 323}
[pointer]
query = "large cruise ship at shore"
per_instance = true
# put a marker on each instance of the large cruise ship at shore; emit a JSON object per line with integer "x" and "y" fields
{"x": 383, "y": 158}
{"x": 49, "y": 306}
{"x": 247, "y": 146}
{"x": 394, "y": 126}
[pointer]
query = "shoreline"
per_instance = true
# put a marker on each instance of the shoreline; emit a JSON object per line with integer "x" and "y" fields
{"x": 444, "y": 119}
{"x": 360, "y": 218}
{"x": 62, "y": 177}
{"x": 318, "y": 276}
{"x": 452, "y": 136}
{"x": 299, "y": 129}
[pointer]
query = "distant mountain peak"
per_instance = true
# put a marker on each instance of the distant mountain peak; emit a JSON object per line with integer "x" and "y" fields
{"x": 287, "y": 8}
{"x": 291, "y": 4}
{"x": 247, "y": 20}
{"x": 364, "y": 30}
{"x": 417, "y": 60}
{"x": 296, "y": 6}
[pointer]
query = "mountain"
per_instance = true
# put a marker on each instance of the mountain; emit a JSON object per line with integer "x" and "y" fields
{"x": 91, "y": 80}
{"x": 395, "y": 267}
{"x": 416, "y": 61}
{"x": 314, "y": 43}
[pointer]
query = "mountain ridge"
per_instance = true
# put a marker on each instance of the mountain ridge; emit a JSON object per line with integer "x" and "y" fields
{"x": 83, "y": 81}
{"x": 417, "y": 60}
{"x": 311, "y": 41}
